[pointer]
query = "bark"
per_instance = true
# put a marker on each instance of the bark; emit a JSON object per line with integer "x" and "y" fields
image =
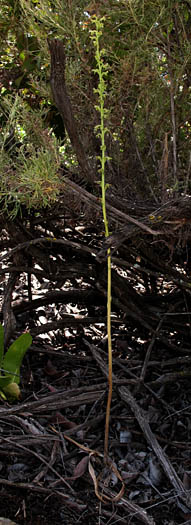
{"x": 62, "y": 101}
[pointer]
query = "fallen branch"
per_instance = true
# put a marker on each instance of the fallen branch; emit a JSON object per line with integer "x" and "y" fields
{"x": 164, "y": 461}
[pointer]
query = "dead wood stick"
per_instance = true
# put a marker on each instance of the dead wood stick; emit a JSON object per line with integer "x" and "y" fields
{"x": 8, "y": 315}
{"x": 113, "y": 212}
{"x": 101, "y": 363}
{"x": 75, "y": 295}
{"x": 134, "y": 510}
{"x": 164, "y": 461}
{"x": 149, "y": 350}
{"x": 171, "y": 377}
{"x": 51, "y": 240}
{"x": 57, "y": 401}
{"x": 51, "y": 463}
{"x": 66, "y": 499}
{"x": 69, "y": 320}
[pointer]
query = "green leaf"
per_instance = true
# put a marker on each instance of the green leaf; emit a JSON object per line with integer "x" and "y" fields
{"x": 19, "y": 80}
{"x": 22, "y": 55}
{"x": 5, "y": 381}
{"x": 186, "y": 15}
{"x": 1, "y": 344}
{"x": 14, "y": 356}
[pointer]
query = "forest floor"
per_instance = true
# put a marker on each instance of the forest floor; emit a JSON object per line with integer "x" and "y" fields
{"x": 52, "y": 468}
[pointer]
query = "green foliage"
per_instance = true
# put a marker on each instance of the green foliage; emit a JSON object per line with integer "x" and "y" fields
{"x": 10, "y": 363}
{"x": 147, "y": 47}
{"x": 29, "y": 171}
{"x": 37, "y": 182}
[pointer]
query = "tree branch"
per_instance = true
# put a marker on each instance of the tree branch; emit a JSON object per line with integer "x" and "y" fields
{"x": 62, "y": 101}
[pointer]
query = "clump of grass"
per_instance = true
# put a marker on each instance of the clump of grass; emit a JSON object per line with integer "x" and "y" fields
{"x": 30, "y": 169}
{"x": 38, "y": 181}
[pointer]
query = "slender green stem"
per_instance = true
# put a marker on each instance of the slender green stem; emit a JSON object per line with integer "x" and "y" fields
{"x": 110, "y": 382}
{"x": 101, "y": 70}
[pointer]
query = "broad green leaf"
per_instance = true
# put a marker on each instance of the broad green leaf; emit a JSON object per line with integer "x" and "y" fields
{"x": 1, "y": 344}
{"x": 5, "y": 381}
{"x": 14, "y": 356}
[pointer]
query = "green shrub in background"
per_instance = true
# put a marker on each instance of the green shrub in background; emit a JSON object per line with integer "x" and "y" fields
{"x": 10, "y": 364}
